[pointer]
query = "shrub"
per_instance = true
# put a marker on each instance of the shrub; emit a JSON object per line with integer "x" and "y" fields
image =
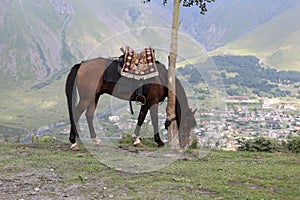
{"x": 293, "y": 145}
{"x": 43, "y": 139}
{"x": 259, "y": 144}
{"x": 127, "y": 139}
{"x": 194, "y": 144}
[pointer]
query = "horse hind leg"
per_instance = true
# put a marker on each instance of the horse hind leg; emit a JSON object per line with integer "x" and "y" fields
{"x": 89, "y": 117}
{"x": 80, "y": 108}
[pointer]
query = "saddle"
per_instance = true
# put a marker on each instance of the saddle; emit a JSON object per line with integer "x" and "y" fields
{"x": 140, "y": 66}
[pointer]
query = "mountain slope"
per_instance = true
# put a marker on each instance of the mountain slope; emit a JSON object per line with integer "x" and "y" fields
{"x": 276, "y": 43}
{"x": 39, "y": 39}
{"x": 30, "y": 39}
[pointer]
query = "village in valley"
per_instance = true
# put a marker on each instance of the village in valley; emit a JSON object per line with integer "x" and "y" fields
{"x": 243, "y": 118}
{"x": 269, "y": 119}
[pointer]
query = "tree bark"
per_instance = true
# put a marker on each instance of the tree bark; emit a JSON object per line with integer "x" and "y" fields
{"x": 173, "y": 135}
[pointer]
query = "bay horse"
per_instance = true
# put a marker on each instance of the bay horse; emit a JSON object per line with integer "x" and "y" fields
{"x": 92, "y": 80}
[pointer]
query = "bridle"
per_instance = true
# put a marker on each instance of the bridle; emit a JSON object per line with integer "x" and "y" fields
{"x": 168, "y": 122}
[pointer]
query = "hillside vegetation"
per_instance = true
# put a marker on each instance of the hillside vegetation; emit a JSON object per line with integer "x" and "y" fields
{"x": 245, "y": 75}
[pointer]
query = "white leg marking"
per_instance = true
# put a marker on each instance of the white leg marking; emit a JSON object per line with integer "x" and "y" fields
{"x": 96, "y": 141}
{"x": 137, "y": 142}
{"x": 74, "y": 147}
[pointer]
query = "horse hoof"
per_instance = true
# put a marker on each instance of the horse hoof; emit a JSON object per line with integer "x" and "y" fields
{"x": 138, "y": 145}
{"x": 160, "y": 145}
{"x": 96, "y": 141}
{"x": 74, "y": 147}
{"x": 137, "y": 142}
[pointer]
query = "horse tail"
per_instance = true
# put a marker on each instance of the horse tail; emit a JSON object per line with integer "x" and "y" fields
{"x": 71, "y": 98}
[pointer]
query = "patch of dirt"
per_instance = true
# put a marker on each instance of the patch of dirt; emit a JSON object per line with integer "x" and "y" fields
{"x": 194, "y": 155}
{"x": 46, "y": 184}
{"x": 26, "y": 183}
{"x": 247, "y": 184}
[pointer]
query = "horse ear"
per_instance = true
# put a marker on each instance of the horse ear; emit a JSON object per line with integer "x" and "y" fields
{"x": 194, "y": 111}
{"x": 123, "y": 49}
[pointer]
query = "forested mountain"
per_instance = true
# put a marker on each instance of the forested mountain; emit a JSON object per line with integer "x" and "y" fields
{"x": 245, "y": 75}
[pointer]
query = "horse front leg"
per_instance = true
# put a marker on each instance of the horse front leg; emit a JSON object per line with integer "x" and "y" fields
{"x": 143, "y": 112}
{"x": 154, "y": 119}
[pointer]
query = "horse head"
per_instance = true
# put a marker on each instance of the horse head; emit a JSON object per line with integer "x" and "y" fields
{"x": 188, "y": 123}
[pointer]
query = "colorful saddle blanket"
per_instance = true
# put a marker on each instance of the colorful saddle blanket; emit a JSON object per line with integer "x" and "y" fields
{"x": 139, "y": 66}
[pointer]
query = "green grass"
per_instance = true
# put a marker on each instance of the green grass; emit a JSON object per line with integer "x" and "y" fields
{"x": 220, "y": 175}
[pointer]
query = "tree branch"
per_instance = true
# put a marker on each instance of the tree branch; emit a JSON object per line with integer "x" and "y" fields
{"x": 201, "y": 4}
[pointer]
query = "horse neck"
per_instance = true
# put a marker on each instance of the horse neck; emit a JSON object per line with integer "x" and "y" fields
{"x": 182, "y": 102}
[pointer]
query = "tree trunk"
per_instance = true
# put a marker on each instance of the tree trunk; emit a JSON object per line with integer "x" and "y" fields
{"x": 173, "y": 135}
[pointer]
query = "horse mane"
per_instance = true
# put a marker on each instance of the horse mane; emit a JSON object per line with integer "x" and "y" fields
{"x": 182, "y": 106}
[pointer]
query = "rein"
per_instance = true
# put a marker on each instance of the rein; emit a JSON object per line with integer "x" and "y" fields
{"x": 168, "y": 122}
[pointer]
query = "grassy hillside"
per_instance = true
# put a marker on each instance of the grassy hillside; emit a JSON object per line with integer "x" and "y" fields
{"x": 52, "y": 171}
{"x": 276, "y": 42}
